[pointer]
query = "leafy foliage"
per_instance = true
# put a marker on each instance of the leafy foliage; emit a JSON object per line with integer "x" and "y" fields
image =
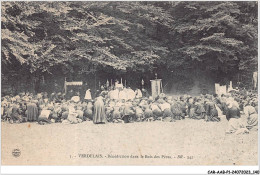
{"x": 218, "y": 31}
{"x": 84, "y": 37}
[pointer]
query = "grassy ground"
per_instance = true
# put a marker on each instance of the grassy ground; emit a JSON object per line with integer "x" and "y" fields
{"x": 186, "y": 142}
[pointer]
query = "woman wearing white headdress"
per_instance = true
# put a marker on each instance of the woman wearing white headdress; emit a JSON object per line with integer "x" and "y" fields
{"x": 88, "y": 95}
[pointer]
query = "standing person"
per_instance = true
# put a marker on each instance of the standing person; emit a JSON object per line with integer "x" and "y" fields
{"x": 97, "y": 93}
{"x": 83, "y": 90}
{"x": 145, "y": 93}
{"x": 138, "y": 93}
{"x": 88, "y": 97}
{"x": 103, "y": 92}
{"x": 32, "y": 111}
{"x": 116, "y": 83}
{"x": 99, "y": 111}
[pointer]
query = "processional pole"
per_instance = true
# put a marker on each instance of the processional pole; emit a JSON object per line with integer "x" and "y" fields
{"x": 95, "y": 82}
{"x": 65, "y": 85}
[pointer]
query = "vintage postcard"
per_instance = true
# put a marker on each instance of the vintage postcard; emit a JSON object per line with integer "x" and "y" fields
{"x": 129, "y": 83}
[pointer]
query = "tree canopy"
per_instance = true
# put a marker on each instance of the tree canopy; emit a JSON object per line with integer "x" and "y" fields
{"x": 84, "y": 36}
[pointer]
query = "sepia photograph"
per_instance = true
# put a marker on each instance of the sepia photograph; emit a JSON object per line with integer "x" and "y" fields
{"x": 139, "y": 83}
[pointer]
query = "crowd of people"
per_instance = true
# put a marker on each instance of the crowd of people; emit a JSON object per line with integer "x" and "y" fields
{"x": 125, "y": 105}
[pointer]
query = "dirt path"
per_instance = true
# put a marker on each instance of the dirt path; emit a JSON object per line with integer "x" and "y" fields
{"x": 187, "y": 142}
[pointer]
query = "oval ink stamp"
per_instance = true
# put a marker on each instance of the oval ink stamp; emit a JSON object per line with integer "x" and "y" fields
{"x": 16, "y": 152}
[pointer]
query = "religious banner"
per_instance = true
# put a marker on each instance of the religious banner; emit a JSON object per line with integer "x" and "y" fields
{"x": 220, "y": 89}
{"x": 156, "y": 87}
{"x": 73, "y": 83}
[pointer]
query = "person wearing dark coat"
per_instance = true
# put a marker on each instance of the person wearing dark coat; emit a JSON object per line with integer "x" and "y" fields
{"x": 211, "y": 112}
{"x": 191, "y": 107}
{"x": 99, "y": 111}
{"x": 182, "y": 105}
{"x": 233, "y": 112}
{"x": 145, "y": 93}
{"x": 32, "y": 111}
{"x": 199, "y": 110}
{"x": 176, "y": 110}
